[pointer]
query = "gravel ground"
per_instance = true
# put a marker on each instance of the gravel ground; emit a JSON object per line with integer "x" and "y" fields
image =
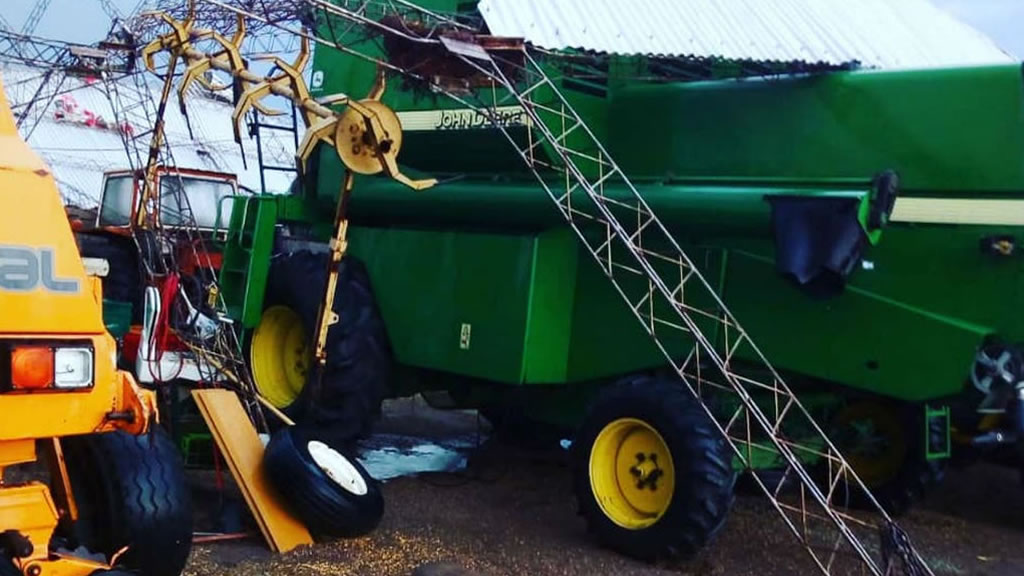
{"x": 517, "y": 517}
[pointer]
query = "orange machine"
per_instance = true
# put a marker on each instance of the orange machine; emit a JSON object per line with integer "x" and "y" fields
{"x": 64, "y": 403}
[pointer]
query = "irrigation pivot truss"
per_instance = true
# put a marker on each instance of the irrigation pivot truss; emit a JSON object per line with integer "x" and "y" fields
{"x": 661, "y": 284}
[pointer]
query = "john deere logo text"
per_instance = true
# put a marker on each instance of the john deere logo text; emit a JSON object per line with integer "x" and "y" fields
{"x": 468, "y": 119}
{"x": 463, "y": 119}
{"x": 24, "y": 269}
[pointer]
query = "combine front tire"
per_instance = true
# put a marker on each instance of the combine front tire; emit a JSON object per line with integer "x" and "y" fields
{"x": 358, "y": 352}
{"x": 651, "y": 473}
{"x": 131, "y": 491}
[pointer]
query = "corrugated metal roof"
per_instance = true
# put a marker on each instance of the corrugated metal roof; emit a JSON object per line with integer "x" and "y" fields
{"x": 78, "y": 154}
{"x": 877, "y": 33}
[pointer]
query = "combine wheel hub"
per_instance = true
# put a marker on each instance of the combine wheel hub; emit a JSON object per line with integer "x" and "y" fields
{"x": 280, "y": 354}
{"x": 631, "y": 472}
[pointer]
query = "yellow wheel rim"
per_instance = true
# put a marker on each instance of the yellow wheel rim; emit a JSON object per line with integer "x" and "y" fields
{"x": 631, "y": 473}
{"x": 279, "y": 355}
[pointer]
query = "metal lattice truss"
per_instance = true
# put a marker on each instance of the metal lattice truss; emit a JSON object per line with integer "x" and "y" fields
{"x": 663, "y": 286}
{"x": 55, "y": 61}
{"x": 286, "y": 81}
{"x": 261, "y": 37}
{"x": 115, "y": 56}
{"x": 701, "y": 339}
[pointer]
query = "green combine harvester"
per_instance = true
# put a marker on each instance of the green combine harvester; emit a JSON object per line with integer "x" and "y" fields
{"x": 863, "y": 225}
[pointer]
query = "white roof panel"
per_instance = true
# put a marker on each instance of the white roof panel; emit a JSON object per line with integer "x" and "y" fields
{"x": 876, "y": 33}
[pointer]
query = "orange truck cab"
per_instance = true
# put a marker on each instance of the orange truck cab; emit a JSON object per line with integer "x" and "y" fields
{"x": 64, "y": 403}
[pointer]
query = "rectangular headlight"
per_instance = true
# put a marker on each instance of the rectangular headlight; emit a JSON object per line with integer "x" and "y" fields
{"x": 72, "y": 368}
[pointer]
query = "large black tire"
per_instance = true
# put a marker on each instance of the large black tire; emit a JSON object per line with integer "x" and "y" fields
{"x": 131, "y": 491}
{"x": 359, "y": 358}
{"x": 910, "y": 476}
{"x": 124, "y": 281}
{"x": 349, "y": 507}
{"x": 703, "y": 474}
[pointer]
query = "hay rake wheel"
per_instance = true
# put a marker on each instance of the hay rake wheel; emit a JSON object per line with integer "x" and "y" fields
{"x": 141, "y": 118}
{"x": 661, "y": 284}
{"x": 372, "y": 128}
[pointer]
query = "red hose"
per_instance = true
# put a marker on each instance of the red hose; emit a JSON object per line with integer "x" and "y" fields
{"x": 161, "y": 328}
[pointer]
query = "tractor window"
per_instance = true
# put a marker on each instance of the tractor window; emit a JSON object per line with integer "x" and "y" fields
{"x": 203, "y": 196}
{"x": 117, "y": 201}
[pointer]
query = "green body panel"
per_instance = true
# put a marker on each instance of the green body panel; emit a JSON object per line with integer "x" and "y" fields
{"x": 117, "y": 317}
{"x": 541, "y": 312}
{"x": 511, "y": 309}
{"x": 523, "y": 205}
{"x": 549, "y": 321}
{"x": 954, "y": 131}
{"x": 480, "y": 281}
{"x": 876, "y": 336}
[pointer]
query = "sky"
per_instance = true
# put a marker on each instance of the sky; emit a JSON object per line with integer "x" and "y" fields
{"x": 1001, "y": 20}
{"x": 84, "y": 21}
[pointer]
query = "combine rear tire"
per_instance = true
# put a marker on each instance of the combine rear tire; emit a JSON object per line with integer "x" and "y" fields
{"x": 359, "y": 359}
{"x": 328, "y": 489}
{"x": 884, "y": 443}
{"x": 652, "y": 475}
{"x": 131, "y": 491}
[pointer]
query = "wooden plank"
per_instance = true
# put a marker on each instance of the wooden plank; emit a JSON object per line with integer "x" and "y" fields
{"x": 243, "y": 451}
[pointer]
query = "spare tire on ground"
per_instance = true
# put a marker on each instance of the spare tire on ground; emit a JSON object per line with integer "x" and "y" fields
{"x": 327, "y": 488}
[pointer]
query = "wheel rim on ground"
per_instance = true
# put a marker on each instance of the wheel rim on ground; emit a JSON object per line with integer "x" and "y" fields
{"x": 872, "y": 438}
{"x": 279, "y": 355}
{"x": 337, "y": 467}
{"x": 631, "y": 473}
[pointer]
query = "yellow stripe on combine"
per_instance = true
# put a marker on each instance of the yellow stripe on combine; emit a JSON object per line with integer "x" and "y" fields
{"x": 989, "y": 212}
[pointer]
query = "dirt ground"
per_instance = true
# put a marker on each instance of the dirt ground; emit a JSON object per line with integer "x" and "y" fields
{"x": 515, "y": 515}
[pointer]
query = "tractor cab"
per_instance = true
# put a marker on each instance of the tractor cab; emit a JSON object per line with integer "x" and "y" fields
{"x": 185, "y": 226}
{"x": 185, "y": 198}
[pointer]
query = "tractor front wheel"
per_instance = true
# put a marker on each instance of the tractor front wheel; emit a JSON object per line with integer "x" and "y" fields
{"x": 652, "y": 475}
{"x": 281, "y": 349}
{"x": 131, "y": 492}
